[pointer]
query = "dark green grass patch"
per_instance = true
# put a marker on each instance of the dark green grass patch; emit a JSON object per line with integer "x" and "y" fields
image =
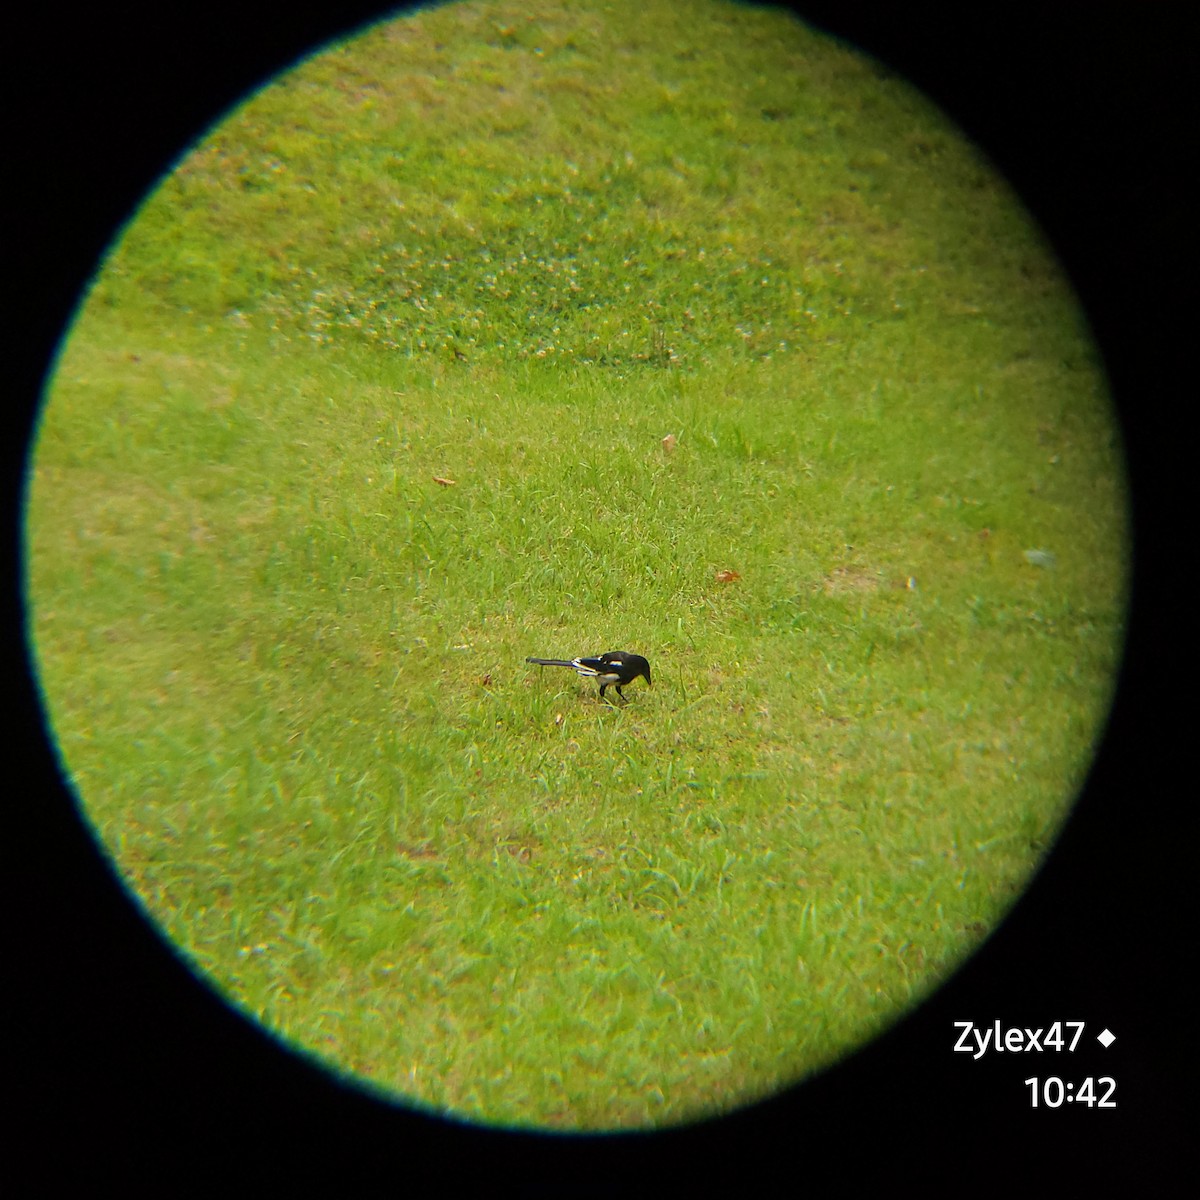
{"x": 369, "y": 403}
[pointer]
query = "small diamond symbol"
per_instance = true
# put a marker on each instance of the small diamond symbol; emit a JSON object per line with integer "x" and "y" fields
{"x": 1106, "y": 1039}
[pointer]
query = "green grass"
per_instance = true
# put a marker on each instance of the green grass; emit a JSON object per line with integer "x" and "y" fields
{"x": 285, "y": 667}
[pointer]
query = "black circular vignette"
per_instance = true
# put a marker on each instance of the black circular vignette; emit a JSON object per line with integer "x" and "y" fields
{"x": 128, "y": 1067}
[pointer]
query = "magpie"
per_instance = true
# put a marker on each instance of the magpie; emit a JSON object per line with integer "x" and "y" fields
{"x": 614, "y": 669}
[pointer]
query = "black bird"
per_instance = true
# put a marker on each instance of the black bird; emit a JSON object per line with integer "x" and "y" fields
{"x": 614, "y": 669}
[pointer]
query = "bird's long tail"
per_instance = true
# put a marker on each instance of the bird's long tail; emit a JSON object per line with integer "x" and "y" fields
{"x": 551, "y": 662}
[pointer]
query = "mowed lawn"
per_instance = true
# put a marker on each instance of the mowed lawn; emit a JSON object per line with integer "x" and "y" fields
{"x": 666, "y": 327}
